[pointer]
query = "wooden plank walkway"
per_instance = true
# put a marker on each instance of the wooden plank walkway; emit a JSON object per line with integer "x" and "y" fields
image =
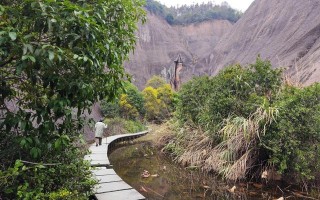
{"x": 110, "y": 186}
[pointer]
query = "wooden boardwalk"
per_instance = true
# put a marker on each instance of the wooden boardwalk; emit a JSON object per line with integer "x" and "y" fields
{"x": 110, "y": 186}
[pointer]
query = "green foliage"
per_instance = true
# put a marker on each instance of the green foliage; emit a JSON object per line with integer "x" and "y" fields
{"x": 234, "y": 91}
{"x": 194, "y": 13}
{"x": 129, "y": 104}
{"x": 152, "y": 103}
{"x": 159, "y": 103}
{"x": 155, "y": 82}
{"x": 155, "y": 7}
{"x": 57, "y": 57}
{"x": 293, "y": 143}
{"x": 110, "y": 109}
{"x": 121, "y": 126}
{"x": 135, "y": 98}
{"x": 253, "y": 119}
{"x": 126, "y": 109}
{"x": 38, "y": 181}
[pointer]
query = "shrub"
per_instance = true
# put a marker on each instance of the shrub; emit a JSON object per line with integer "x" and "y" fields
{"x": 122, "y": 126}
{"x": 155, "y": 82}
{"x": 293, "y": 142}
{"x": 110, "y": 109}
{"x": 253, "y": 120}
{"x": 129, "y": 104}
{"x": 235, "y": 91}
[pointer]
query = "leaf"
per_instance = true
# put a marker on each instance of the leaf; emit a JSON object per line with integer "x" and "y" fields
{"x": 29, "y": 140}
{"x": 28, "y": 57}
{"x": 35, "y": 152}
{"x": 57, "y": 144}
{"x": 24, "y": 168}
{"x": 32, "y": 59}
{"x": 23, "y": 125}
{"x": 41, "y": 166}
{"x": 23, "y": 142}
{"x": 13, "y": 35}
{"x": 18, "y": 164}
{"x": 51, "y": 55}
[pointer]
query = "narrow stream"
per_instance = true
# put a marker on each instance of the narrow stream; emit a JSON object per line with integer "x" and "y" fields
{"x": 170, "y": 182}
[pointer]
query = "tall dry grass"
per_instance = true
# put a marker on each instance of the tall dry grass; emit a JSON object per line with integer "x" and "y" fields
{"x": 237, "y": 152}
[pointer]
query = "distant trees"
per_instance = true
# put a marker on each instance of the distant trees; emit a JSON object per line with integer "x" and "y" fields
{"x": 155, "y": 82}
{"x": 154, "y": 103}
{"x": 129, "y": 104}
{"x": 159, "y": 98}
{"x": 193, "y": 13}
{"x": 155, "y": 7}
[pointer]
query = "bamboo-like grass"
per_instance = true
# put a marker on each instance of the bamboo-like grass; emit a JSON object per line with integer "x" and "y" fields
{"x": 236, "y": 154}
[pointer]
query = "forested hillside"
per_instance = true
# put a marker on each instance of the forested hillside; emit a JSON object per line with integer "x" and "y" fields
{"x": 188, "y": 14}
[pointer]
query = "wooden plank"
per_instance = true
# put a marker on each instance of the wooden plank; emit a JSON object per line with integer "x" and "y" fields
{"x": 103, "y": 172}
{"x": 108, "y": 178}
{"x": 121, "y": 195}
{"x": 110, "y": 186}
{"x": 114, "y": 137}
{"x": 99, "y": 163}
{"x": 101, "y": 156}
{"x": 99, "y": 149}
{"x": 113, "y": 186}
{"x": 97, "y": 160}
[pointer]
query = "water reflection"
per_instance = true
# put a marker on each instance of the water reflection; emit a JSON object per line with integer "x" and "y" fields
{"x": 171, "y": 182}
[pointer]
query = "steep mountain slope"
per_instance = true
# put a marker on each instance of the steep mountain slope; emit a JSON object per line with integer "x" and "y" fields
{"x": 286, "y": 32}
{"x": 160, "y": 43}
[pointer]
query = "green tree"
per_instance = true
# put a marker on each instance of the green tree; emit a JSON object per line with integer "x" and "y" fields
{"x": 127, "y": 110}
{"x": 155, "y": 82}
{"x": 56, "y": 56}
{"x": 152, "y": 103}
{"x": 159, "y": 103}
{"x": 110, "y": 109}
{"x": 235, "y": 91}
{"x": 166, "y": 95}
{"x": 293, "y": 142}
{"x": 135, "y": 98}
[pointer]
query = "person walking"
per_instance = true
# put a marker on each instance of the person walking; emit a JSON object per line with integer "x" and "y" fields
{"x": 100, "y": 127}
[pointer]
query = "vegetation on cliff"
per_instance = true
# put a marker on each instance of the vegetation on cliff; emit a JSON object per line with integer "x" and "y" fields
{"x": 194, "y": 13}
{"x": 56, "y": 59}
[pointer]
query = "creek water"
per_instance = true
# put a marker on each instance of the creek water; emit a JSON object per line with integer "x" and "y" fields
{"x": 170, "y": 181}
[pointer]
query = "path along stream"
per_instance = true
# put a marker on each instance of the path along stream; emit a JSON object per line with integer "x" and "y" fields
{"x": 169, "y": 181}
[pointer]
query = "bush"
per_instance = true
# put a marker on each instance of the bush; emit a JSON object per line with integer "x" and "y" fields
{"x": 110, "y": 109}
{"x": 253, "y": 120}
{"x": 129, "y": 104}
{"x": 235, "y": 91}
{"x": 123, "y": 126}
{"x": 293, "y": 142}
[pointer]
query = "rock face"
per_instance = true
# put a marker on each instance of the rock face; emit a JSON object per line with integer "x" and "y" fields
{"x": 159, "y": 44}
{"x": 286, "y": 32}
